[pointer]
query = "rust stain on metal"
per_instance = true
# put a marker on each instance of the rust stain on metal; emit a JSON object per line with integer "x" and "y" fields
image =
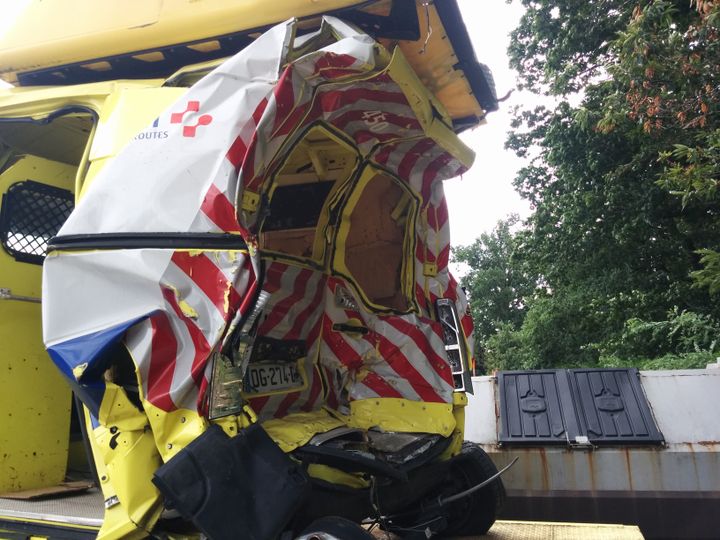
{"x": 628, "y": 467}
{"x": 591, "y": 469}
{"x": 710, "y": 445}
{"x": 545, "y": 481}
{"x": 525, "y": 473}
{"x": 691, "y": 448}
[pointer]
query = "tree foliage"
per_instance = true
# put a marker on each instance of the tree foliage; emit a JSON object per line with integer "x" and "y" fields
{"x": 561, "y": 45}
{"x": 496, "y": 283}
{"x": 620, "y": 261}
{"x": 668, "y": 76}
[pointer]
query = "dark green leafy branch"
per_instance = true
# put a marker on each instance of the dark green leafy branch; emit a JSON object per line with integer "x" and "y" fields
{"x": 620, "y": 261}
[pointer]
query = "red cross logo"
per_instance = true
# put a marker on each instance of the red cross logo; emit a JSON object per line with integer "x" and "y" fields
{"x": 202, "y": 120}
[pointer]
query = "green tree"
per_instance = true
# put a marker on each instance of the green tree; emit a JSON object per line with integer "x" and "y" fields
{"x": 623, "y": 188}
{"x": 561, "y": 45}
{"x": 496, "y": 282}
{"x": 667, "y": 79}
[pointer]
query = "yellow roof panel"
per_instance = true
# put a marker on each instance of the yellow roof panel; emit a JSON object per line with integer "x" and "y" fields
{"x": 62, "y": 42}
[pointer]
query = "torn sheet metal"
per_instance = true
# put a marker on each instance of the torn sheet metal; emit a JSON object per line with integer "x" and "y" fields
{"x": 171, "y": 307}
{"x": 161, "y": 257}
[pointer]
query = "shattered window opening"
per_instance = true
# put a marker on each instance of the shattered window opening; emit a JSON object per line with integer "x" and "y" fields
{"x": 297, "y": 206}
{"x": 302, "y": 190}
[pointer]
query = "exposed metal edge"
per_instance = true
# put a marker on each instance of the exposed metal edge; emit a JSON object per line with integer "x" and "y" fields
{"x": 50, "y": 519}
{"x": 478, "y": 75}
{"x": 679, "y": 373}
{"x": 44, "y": 76}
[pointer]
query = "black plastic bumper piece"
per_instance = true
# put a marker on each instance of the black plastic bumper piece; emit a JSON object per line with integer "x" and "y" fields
{"x": 348, "y": 461}
{"x": 242, "y": 488}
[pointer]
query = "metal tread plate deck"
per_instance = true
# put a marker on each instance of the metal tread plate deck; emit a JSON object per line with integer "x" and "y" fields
{"x": 546, "y": 530}
{"x": 84, "y": 509}
{"x": 540, "y": 530}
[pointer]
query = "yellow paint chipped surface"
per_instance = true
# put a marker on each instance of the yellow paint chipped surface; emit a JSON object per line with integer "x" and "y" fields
{"x": 79, "y": 370}
{"x": 226, "y": 297}
{"x": 187, "y": 309}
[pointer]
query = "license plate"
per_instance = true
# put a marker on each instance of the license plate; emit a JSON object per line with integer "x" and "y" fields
{"x": 270, "y": 377}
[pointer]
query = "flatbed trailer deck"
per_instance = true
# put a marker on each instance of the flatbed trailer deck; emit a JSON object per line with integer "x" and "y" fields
{"x": 79, "y": 516}
{"x": 547, "y": 530}
{"x": 76, "y": 516}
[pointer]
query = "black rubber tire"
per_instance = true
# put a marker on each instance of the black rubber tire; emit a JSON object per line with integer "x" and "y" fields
{"x": 339, "y": 527}
{"x": 476, "y": 513}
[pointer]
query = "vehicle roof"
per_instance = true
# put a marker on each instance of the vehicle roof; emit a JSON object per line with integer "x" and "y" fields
{"x": 49, "y": 44}
{"x": 31, "y": 102}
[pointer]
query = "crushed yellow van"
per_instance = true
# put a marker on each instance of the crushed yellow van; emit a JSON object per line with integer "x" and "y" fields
{"x": 245, "y": 268}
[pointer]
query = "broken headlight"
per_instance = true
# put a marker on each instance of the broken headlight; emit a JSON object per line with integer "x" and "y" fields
{"x": 455, "y": 347}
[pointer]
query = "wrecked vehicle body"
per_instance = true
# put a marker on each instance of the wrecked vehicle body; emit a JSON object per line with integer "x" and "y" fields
{"x": 272, "y": 251}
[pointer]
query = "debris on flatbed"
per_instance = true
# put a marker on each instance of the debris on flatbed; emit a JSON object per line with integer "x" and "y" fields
{"x": 63, "y": 488}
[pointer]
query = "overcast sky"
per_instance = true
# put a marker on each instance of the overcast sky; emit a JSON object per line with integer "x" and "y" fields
{"x": 485, "y": 194}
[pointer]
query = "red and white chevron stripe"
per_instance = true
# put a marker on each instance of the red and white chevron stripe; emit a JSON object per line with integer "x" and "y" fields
{"x": 171, "y": 348}
{"x": 400, "y": 355}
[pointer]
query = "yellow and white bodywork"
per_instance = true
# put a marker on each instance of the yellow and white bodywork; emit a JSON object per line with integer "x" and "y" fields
{"x": 269, "y": 246}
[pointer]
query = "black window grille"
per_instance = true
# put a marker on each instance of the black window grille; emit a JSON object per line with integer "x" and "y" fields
{"x": 31, "y": 214}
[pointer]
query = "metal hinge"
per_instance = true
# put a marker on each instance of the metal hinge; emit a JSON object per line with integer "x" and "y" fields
{"x": 581, "y": 442}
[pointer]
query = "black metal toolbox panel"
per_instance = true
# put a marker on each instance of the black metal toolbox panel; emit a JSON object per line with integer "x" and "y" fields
{"x": 575, "y": 406}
